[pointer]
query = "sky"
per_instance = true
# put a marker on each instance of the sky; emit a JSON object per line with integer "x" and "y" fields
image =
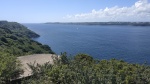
{"x": 41, "y": 11}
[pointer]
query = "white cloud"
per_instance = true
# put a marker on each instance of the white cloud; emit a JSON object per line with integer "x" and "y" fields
{"x": 140, "y": 11}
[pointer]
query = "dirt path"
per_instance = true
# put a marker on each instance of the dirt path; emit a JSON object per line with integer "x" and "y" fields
{"x": 37, "y": 58}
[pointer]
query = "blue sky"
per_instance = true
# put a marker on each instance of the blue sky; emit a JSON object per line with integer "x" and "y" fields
{"x": 38, "y": 11}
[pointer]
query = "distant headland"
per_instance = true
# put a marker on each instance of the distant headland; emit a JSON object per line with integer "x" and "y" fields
{"x": 103, "y": 23}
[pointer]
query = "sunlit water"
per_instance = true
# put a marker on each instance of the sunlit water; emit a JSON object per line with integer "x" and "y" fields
{"x": 129, "y": 43}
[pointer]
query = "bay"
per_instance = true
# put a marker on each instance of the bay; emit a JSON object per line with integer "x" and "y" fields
{"x": 128, "y": 43}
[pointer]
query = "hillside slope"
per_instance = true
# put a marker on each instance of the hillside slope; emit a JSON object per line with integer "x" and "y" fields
{"x": 18, "y": 29}
{"x": 15, "y": 40}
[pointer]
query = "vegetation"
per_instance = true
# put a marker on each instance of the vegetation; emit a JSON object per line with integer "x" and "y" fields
{"x": 15, "y": 40}
{"x": 18, "y": 29}
{"x": 83, "y": 69}
{"x": 9, "y": 68}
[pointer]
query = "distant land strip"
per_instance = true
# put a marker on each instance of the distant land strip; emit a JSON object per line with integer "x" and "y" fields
{"x": 103, "y": 23}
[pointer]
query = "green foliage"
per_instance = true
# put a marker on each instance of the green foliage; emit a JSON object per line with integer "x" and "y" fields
{"x": 77, "y": 71}
{"x": 83, "y": 59}
{"x": 64, "y": 59}
{"x": 9, "y": 68}
{"x": 18, "y": 29}
{"x": 14, "y": 39}
{"x": 3, "y": 39}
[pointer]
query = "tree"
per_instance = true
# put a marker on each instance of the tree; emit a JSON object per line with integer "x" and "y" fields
{"x": 9, "y": 68}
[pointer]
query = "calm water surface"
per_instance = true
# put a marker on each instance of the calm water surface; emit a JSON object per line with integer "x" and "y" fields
{"x": 130, "y": 43}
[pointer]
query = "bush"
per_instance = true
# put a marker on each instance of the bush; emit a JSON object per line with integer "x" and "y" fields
{"x": 13, "y": 37}
{"x": 9, "y": 68}
{"x": 83, "y": 59}
{"x": 4, "y": 39}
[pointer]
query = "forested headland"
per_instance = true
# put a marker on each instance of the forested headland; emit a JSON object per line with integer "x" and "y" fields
{"x": 15, "y": 40}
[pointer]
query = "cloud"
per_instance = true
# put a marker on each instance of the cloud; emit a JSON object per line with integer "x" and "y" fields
{"x": 140, "y": 11}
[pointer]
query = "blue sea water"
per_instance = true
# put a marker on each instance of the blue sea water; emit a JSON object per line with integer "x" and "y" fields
{"x": 128, "y": 43}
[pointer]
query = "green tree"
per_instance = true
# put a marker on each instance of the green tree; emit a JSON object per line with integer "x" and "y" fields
{"x": 9, "y": 68}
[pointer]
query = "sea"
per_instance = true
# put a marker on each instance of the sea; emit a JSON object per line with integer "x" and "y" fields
{"x": 122, "y": 42}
